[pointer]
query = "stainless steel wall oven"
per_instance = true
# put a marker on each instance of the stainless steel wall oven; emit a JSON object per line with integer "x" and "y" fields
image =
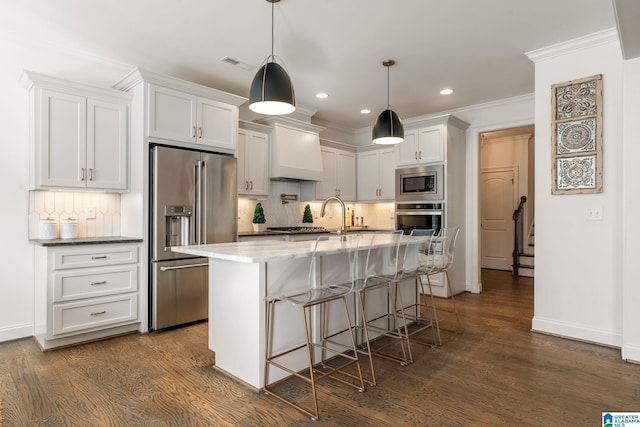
{"x": 419, "y": 216}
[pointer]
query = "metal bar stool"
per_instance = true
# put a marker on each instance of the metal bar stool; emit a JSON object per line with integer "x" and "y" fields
{"x": 379, "y": 274}
{"x": 443, "y": 251}
{"x": 416, "y": 266}
{"x": 317, "y": 295}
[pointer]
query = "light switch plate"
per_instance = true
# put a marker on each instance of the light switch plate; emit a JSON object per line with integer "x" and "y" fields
{"x": 91, "y": 212}
{"x": 594, "y": 214}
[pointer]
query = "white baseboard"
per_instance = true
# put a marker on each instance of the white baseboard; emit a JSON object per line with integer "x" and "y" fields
{"x": 15, "y": 332}
{"x": 631, "y": 353}
{"x": 577, "y": 332}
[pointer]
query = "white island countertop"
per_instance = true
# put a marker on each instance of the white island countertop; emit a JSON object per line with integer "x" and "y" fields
{"x": 275, "y": 250}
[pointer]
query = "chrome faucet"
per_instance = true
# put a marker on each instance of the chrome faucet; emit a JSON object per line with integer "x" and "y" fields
{"x": 343, "y": 231}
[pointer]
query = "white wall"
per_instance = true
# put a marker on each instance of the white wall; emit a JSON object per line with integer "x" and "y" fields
{"x": 631, "y": 211}
{"x": 16, "y": 253}
{"x": 578, "y": 285}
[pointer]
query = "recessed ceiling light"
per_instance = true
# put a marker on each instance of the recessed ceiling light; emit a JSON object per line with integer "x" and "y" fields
{"x": 446, "y": 91}
{"x": 322, "y": 95}
{"x": 365, "y": 111}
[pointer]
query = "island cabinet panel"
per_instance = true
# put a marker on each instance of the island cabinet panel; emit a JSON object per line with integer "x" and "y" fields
{"x": 85, "y": 292}
{"x": 243, "y": 274}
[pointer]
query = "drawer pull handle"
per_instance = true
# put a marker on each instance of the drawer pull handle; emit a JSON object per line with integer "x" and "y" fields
{"x": 103, "y": 282}
{"x": 99, "y": 257}
{"x": 95, "y": 313}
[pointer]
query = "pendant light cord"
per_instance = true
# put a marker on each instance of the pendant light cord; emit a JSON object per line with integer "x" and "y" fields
{"x": 388, "y": 71}
{"x": 272, "y": 32}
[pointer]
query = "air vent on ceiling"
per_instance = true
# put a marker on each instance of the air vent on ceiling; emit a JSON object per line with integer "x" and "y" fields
{"x": 237, "y": 63}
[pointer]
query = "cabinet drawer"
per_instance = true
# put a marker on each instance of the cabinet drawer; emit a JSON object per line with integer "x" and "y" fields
{"x": 98, "y": 313}
{"x": 93, "y": 282}
{"x": 94, "y": 257}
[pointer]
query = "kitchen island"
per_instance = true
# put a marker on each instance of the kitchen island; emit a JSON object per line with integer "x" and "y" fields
{"x": 242, "y": 274}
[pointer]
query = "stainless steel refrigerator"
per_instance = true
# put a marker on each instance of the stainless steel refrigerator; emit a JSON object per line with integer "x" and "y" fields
{"x": 193, "y": 202}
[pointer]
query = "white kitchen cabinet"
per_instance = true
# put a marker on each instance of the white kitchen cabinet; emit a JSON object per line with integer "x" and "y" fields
{"x": 376, "y": 175}
{"x": 85, "y": 292}
{"x": 178, "y": 115}
{"x": 338, "y": 176}
{"x": 253, "y": 163}
{"x": 79, "y": 135}
{"x": 422, "y": 146}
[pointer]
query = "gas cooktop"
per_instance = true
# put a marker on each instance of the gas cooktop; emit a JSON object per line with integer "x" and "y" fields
{"x": 298, "y": 230}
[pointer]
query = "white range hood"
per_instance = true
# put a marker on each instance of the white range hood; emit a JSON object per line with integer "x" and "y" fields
{"x": 295, "y": 150}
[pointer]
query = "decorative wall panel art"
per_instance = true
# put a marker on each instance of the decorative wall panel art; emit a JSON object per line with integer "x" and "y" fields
{"x": 576, "y": 136}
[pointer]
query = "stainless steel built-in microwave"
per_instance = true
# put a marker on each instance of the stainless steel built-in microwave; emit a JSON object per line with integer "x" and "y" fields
{"x": 420, "y": 183}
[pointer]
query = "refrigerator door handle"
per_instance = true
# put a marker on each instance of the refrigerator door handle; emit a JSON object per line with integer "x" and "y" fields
{"x": 180, "y": 267}
{"x": 198, "y": 200}
{"x": 203, "y": 204}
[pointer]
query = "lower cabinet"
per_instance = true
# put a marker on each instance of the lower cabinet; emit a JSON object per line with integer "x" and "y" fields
{"x": 85, "y": 292}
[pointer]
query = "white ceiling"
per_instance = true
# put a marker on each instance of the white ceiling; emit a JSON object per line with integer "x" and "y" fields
{"x": 477, "y": 47}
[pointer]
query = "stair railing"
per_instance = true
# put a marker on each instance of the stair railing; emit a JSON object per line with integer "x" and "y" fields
{"x": 518, "y": 235}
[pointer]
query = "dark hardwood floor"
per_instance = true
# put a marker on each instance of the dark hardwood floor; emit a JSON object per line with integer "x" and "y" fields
{"x": 492, "y": 372}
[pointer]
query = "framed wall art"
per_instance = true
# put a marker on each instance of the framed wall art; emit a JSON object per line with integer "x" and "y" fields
{"x": 576, "y": 136}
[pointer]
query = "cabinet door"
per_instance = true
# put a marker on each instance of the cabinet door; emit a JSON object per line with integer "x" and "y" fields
{"x": 368, "y": 164}
{"x": 387, "y": 174}
{"x": 431, "y": 144}
{"x": 346, "y": 174}
{"x": 243, "y": 179}
{"x": 257, "y": 154}
{"x": 62, "y": 141}
{"x": 106, "y": 145}
{"x": 408, "y": 150}
{"x": 172, "y": 114}
{"x": 217, "y": 124}
{"x": 327, "y": 187}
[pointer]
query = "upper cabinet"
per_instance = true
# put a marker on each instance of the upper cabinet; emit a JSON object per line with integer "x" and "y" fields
{"x": 376, "y": 175}
{"x": 424, "y": 145}
{"x": 338, "y": 176}
{"x": 429, "y": 141}
{"x": 178, "y": 112}
{"x": 182, "y": 116}
{"x": 78, "y": 136}
{"x": 253, "y": 160}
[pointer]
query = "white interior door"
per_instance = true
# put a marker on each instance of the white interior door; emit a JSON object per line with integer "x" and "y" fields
{"x": 498, "y": 191}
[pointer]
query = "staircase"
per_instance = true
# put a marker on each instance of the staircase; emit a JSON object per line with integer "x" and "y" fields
{"x": 526, "y": 258}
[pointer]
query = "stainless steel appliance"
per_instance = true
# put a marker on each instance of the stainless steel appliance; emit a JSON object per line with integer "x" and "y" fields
{"x": 193, "y": 202}
{"x": 420, "y": 183}
{"x": 420, "y": 216}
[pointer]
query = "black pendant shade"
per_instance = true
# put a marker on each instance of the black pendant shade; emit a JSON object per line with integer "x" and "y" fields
{"x": 271, "y": 91}
{"x": 388, "y": 128}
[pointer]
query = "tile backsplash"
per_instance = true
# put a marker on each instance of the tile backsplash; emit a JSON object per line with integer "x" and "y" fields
{"x": 59, "y": 205}
{"x": 376, "y": 215}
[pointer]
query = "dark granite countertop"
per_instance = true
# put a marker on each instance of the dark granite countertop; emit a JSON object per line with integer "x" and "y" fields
{"x": 85, "y": 241}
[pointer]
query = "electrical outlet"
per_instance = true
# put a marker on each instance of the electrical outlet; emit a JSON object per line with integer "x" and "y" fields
{"x": 91, "y": 212}
{"x": 594, "y": 214}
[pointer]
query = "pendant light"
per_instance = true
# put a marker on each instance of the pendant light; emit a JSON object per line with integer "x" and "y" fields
{"x": 388, "y": 128}
{"x": 271, "y": 91}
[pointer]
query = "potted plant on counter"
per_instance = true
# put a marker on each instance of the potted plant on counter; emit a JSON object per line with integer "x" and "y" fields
{"x": 307, "y": 216}
{"x": 258, "y": 218}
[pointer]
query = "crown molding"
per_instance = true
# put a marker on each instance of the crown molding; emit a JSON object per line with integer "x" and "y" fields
{"x": 573, "y": 45}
